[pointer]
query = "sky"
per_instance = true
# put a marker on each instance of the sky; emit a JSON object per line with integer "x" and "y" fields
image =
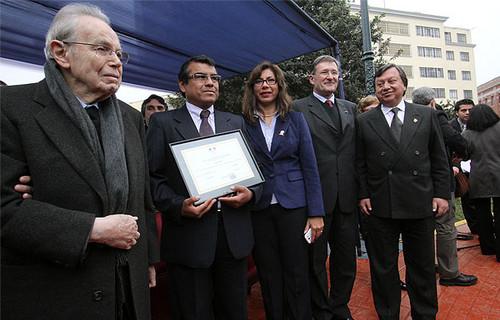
{"x": 480, "y": 16}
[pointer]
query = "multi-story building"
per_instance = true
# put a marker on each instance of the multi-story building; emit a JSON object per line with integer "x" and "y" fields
{"x": 431, "y": 54}
{"x": 489, "y": 93}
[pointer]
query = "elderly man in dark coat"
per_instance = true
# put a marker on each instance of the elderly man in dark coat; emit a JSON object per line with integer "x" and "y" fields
{"x": 83, "y": 246}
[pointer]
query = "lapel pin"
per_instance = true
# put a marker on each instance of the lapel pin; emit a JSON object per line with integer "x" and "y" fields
{"x": 282, "y": 132}
{"x": 415, "y": 120}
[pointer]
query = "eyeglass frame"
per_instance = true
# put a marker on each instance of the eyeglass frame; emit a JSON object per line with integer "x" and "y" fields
{"x": 260, "y": 82}
{"x": 123, "y": 54}
{"x": 199, "y": 76}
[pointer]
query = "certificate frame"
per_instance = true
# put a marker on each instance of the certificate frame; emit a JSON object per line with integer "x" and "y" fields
{"x": 231, "y": 163}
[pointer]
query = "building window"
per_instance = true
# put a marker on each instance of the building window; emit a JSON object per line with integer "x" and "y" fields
{"x": 452, "y": 75}
{"x": 461, "y": 38}
{"x": 453, "y": 94}
{"x": 464, "y": 56}
{"x": 467, "y": 94}
{"x": 427, "y": 72}
{"x": 428, "y": 32}
{"x": 447, "y": 37}
{"x": 408, "y": 70}
{"x": 466, "y": 75}
{"x": 394, "y": 28}
{"x": 429, "y": 52}
{"x": 450, "y": 55}
{"x": 402, "y": 49}
{"x": 440, "y": 93}
{"x": 492, "y": 101}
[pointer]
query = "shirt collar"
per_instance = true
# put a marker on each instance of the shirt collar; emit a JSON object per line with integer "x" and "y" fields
{"x": 401, "y": 106}
{"x": 323, "y": 99}
{"x": 85, "y": 105}
{"x": 195, "y": 110}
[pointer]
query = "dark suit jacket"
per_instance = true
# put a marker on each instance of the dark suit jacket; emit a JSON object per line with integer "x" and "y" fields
{"x": 187, "y": 241}
{"x": 335, "y": 160}
{"x": 401, "y": 179}
{"x": 48, "y": 271}
{"x": 454, "y": 123}
{"x": 290, "y": 168}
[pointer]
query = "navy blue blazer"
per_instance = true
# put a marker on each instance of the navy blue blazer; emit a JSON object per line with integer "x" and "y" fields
{"x": 290, "y": 168}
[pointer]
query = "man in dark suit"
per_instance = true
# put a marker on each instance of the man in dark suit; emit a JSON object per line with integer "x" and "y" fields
{"x": 403, "y": 184}
{"x": 83, "y": 246}
{"x": 332, "y": 125}
{"x": 205, "y": 246}
{"x": 154, "y": 103}
{"x": 462, "y": 109}
{"x": 446, "y": 232}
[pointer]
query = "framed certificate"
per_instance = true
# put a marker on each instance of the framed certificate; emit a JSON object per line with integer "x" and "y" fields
{"x": 212, "y": 164}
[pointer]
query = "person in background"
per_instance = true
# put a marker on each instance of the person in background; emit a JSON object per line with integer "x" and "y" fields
{"x": 332, "y": 125}
{"x": 154, "y": 103}
{"x": 205, "y": 246}
{"x": 462, "y": 110}
{"x": 446, "y": 232}
{"x": 404, "y": 182}
{"x": 83, "y": 245}
{"x": 367, "y": 103}
{"x": 291, "y": 202}
{"x": 483, "y": 145}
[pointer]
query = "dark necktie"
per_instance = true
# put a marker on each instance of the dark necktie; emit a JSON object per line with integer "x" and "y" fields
{"x": 205, "y": 128}
{"x": 94, "y": 116}
{"x": 334, "y": 115}
{"x": 396, "y": 124}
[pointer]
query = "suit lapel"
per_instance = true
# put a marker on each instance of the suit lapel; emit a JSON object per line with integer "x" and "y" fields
{"x": 343, "y": 113}
{"x": 69, "y": 140}
{"x": 280, "y": 133}
{"x": 257, "y": 137}
{"x": 185, "y": 125}
{"x": 317, "y": 110}
{"x": 411, "y": 122}
{"x": 379, "y": 124}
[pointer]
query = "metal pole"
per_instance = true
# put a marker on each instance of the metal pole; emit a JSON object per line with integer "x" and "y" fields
{"x": 368, "y": 55}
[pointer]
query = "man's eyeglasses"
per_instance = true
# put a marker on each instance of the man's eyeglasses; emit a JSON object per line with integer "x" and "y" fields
{"x": 325, "y": 73}
{"x": 201, "y": 77}
{"x": 104, "y": 52}
{"x": 269, "y": 81}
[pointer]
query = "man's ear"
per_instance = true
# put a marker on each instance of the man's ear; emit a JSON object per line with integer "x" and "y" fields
{"x": 182, "y": 86}
{"x": 311, "y": 79}
{"x": 60, "y": 53}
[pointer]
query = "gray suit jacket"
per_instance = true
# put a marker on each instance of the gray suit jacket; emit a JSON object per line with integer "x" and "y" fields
{"x": 401, "y": 179}
{"x": 188, "y": 241}
{"x": 335, "y": 160}
{"x": 48, "y": 270}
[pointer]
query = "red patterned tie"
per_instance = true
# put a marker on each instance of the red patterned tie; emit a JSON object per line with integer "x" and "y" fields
{"x": 205, "y": 128}
{"x": 329, "y": 102}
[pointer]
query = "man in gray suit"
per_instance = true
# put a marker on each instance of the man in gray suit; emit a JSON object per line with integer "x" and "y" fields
{"x": 404, "y": 183}
{"x": 332, "y": 125}
{"x": 205, "y": 246}
{"x": 83, "y": 246}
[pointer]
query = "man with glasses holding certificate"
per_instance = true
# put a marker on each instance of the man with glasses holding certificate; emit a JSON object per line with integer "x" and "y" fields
{"x": 205, "y": 246}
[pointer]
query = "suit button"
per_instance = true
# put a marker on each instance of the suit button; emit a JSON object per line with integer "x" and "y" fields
{"x": 98, "y": 295}
{"x": 415, "y": 173}
{"x": 382, "y": 153}
{"x": 417, "y": 152}
{"x": 390, "y": 171}
{"x": 271, "y": 175}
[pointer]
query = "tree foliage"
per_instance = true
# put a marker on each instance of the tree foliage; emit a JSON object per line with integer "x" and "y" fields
{"x": 334, "y": 16}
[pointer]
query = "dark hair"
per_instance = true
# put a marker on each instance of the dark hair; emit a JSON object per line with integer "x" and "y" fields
{"x": 324, "y": 58}
{"x": 481, "y": 117}
{"x": 2, "y": 83}
{"x": 152, "y": 97}
{"x": 386, "y": 67}
{"x": 184, "y": 71}
{"x": 283, "y": 100}
{"x": 462, "y": 103}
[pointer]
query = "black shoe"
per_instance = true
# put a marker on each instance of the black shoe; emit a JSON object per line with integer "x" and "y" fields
{"x": 461, "y": 280}
{"x": 403, "y": 286}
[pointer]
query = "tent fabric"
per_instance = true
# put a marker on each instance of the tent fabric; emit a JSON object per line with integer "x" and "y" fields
{"x": 161, "y": 35}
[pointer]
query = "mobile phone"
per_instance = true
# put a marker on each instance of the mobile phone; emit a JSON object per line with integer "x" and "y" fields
{"x": 307, "y": 235}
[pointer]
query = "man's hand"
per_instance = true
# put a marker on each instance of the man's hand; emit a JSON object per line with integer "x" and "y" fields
{"x": 243, "y": 195}
{"x": 439, "y": 206}
{"x": 116, "y": 230}
{"x": 365, "y": 205}
{"x": 316, "y": 224}
{"x": 152, "y": 276}
{"x": 190, "y": 211}
{"x": 24, "y": 187}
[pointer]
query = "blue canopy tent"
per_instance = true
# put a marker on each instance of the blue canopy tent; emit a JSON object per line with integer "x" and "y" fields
{"x": 161, "y": 35}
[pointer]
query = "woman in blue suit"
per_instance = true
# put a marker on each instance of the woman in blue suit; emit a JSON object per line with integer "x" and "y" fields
{"x": 291, "y": 203}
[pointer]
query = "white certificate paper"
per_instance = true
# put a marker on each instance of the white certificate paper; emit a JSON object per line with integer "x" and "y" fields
{"x": 216, "y": 165}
